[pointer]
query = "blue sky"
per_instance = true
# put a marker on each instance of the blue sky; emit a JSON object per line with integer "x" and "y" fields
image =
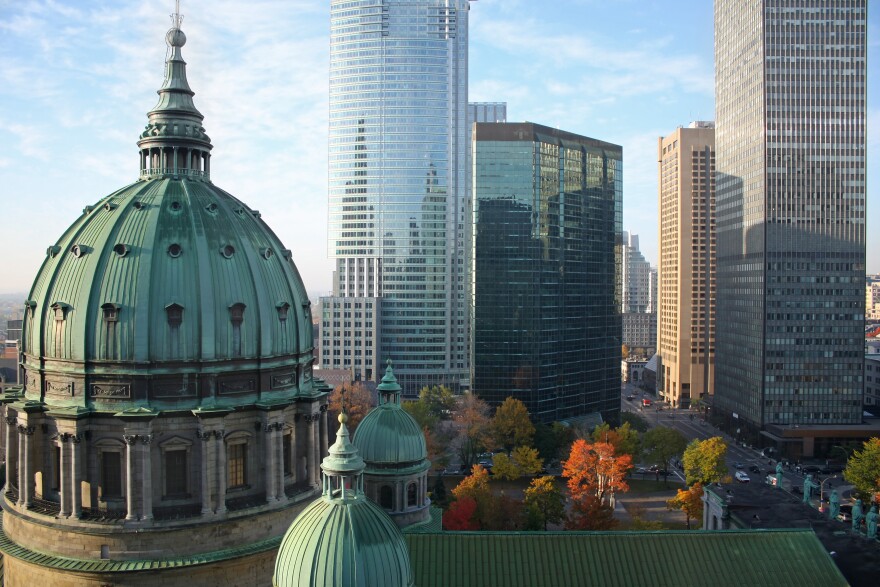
{"x": 77, "y": 78}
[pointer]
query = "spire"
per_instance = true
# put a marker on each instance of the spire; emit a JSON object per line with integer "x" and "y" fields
{"x": 343, "y": 467}
{"x": 389, "y": 389}
{"x": 174, "y": 142}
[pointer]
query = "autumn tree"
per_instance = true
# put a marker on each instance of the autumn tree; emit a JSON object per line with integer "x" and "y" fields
{"x": 472, "y": 423}
{"x": 863, "y": 470}
{"x": 439, "y": 401}
{"x": 624, "y": 351}
{"x": 662, "y": 444}
{"x": 624, "y": 438}
{"x": 461, "y": 515}
{"x": 436, "y": 447}
{"x": 595, "y": 470}
{"x": 523, "y": 461}
{"x": 358, "y": 402}
{"x": 511, "y": 425}
{"x": 476, "y": 487}
{"x": 704, "y": 461}
{"x": 690, "y": 501}
{"x": 438, "y": 493}
{"x": 590, "y": 513}
{"x": 544, "y": 503}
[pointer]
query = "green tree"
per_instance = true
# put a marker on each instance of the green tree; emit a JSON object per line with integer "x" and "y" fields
{"x": 690, "y": 501}
{"x": 624, "y": 438}
{"x": 552, "y": 440}
{"x": 704, "y": 461}
{"x": 661, "y": 444}
{"x": 439, "y": 494}
{"x": 635, "y": 421}
{"x": 544, "y": 502}
{"x": 523, "y": 461}
{"x": 503, "y": 467}
{"x": 439, "y": 401}
{"x": 863, "y": 470}
{"x": 421, "y": 413}
{"x": 511, "y": 425}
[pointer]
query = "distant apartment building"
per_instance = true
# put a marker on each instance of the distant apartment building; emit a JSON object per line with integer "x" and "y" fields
{"x": 685, "y": 317}
{"x": 638, "y": 295}
{"x": 790, "y": 105}
{"x": 872, "y": 297}
{"x": 872, "y": 379}
{"x": 545, "y": 325}
{"x": 355, "y": 345}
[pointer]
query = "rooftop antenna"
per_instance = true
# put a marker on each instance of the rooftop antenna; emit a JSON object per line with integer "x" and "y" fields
{"x": 176, "y": 17}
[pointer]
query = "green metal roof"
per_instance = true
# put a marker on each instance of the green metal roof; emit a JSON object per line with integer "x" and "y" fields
{"x": 784, "y": 558}
{"x": 388, "y": 434}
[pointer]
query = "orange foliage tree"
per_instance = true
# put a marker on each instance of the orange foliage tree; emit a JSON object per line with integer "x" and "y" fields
{"x": 595, "y": 474}
{"x": 690, "y": 501}
{"x": 460, "y": 515}
{"x": 358, "y": 402}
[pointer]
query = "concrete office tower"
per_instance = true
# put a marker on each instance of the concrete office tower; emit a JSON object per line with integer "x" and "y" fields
{"x": 398, "y": 139}
{"x": 545, "y": 323}
{"x": 637, "y": 312}
{"x": 790, "y": 181}
{"x": 686, "y": 314}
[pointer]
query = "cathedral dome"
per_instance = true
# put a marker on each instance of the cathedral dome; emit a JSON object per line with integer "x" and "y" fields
{"x": 388, "y": 435}
{"x": 169, "y": 292}
{"x": 343, "y": 538}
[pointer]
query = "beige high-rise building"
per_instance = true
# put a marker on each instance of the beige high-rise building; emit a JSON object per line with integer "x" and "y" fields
{"x": 686, "y": 309}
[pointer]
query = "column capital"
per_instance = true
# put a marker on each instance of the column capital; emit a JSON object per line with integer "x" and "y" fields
{"x": 130, "y": 439}
{"x": 26, "y": 430}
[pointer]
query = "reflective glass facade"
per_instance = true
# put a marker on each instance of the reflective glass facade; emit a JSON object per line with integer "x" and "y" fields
{"x": 790, "y": 204}
{"x": 398, "y": 134}
{"x": 546, "y": 325}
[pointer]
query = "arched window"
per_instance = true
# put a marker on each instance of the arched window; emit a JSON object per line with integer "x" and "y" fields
{"x": 386, "y": 497}
{"x": 411, "y": 495}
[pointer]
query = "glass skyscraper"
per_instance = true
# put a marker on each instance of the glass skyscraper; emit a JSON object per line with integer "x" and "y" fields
{"x": 790, "y": 143}
{"x": 397, "y": 190}
{"x": 546, "y": 264}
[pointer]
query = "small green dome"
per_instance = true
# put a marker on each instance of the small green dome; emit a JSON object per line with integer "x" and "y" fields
{"x": 388, "y": 434}
{"x": 343, "y": 543}
{"x": 343, "y": 539}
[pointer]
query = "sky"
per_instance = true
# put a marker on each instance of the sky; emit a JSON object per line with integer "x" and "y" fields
{"x": 78, "y": 77}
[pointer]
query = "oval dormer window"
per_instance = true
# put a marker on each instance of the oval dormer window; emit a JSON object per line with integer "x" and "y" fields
{"x": 227, "y": 251}
{"x": 174, "y": 250}
{"x": 120, "y": 249}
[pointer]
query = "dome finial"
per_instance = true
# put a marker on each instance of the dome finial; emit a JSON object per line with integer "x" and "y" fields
{"x": 389, "y": 389}
{"x": 174, "y": 143}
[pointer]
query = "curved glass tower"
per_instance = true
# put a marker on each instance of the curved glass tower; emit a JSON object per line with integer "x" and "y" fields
{"x": 398, "y": 139}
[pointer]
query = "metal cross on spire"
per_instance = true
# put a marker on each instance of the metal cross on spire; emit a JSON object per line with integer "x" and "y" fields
{"x": 176, "y": 17}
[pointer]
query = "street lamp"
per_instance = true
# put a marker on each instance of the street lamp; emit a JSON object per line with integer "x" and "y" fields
{"x": 822, "y": 492}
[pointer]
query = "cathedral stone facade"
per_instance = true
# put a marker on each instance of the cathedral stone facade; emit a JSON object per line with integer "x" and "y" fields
{"x": 169, "y": 428}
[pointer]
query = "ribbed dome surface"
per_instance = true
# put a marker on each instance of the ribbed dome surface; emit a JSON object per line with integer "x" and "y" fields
{"x": 168, "y": 292}
{"x": 344, "y": 543}
{"x": 388, "y": 435}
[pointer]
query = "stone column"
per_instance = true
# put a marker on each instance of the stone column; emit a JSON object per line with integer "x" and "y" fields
{"x": 324, "y": 448}
{"x": 130, "y": 447}
{"x": 299, "y": 441}
{"x": 221, "y": 471}
{"x": 64, "y": 482}
{"x": 147, "y": 484}
{"x": 269, "y": 452}
{"x": 279, "y": 458}
{"x": 26, "y": 477}
{"x": 311, "y": 448}
{"x": 76, "y": 475}
{"x": 11, "y": 448}
{"x": 208, "y": 471}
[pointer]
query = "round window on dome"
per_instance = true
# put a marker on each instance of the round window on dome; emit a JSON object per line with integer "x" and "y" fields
{"x": 227, "y": 251}
{"x": 211, "y": 208}
{"x": 267, "y": 253}
{"x": 174, "y": 250}
{"x": 120, "y": 249}
{"x": 78, "y": 250}
{"x": 175, "y": 206}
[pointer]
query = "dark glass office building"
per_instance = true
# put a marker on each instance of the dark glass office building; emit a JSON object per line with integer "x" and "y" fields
{"x": 790, "y": 205}
{"x": 547, "y": 219}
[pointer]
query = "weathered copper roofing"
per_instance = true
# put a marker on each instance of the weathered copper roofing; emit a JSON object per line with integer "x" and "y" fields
{"x": 343, "y": 539}
{"x": 169, "y": 292}
{"x": 388, "y": 435}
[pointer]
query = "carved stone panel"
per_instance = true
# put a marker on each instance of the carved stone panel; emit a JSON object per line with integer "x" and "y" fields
{"x": 59, "y": 388}
{"x": 110, "y": 390}
{"x": 173, "y": 389}
{"x": 237, "y": 386}
{"x": 283, "y": 380}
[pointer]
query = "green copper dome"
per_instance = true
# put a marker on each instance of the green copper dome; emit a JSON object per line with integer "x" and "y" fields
{"x": 169, "y": 292}
{"x": 343, "y": 539}
{"x": 388, "y": 435}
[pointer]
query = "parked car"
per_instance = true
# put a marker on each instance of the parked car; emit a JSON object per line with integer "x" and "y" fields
{"x": 630, "y": 398}
{"x": 754, "y": 469}
{"x": 739, "y": 466}
{"x": 742, "y": 477}
{"x": 811, "y": 469}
